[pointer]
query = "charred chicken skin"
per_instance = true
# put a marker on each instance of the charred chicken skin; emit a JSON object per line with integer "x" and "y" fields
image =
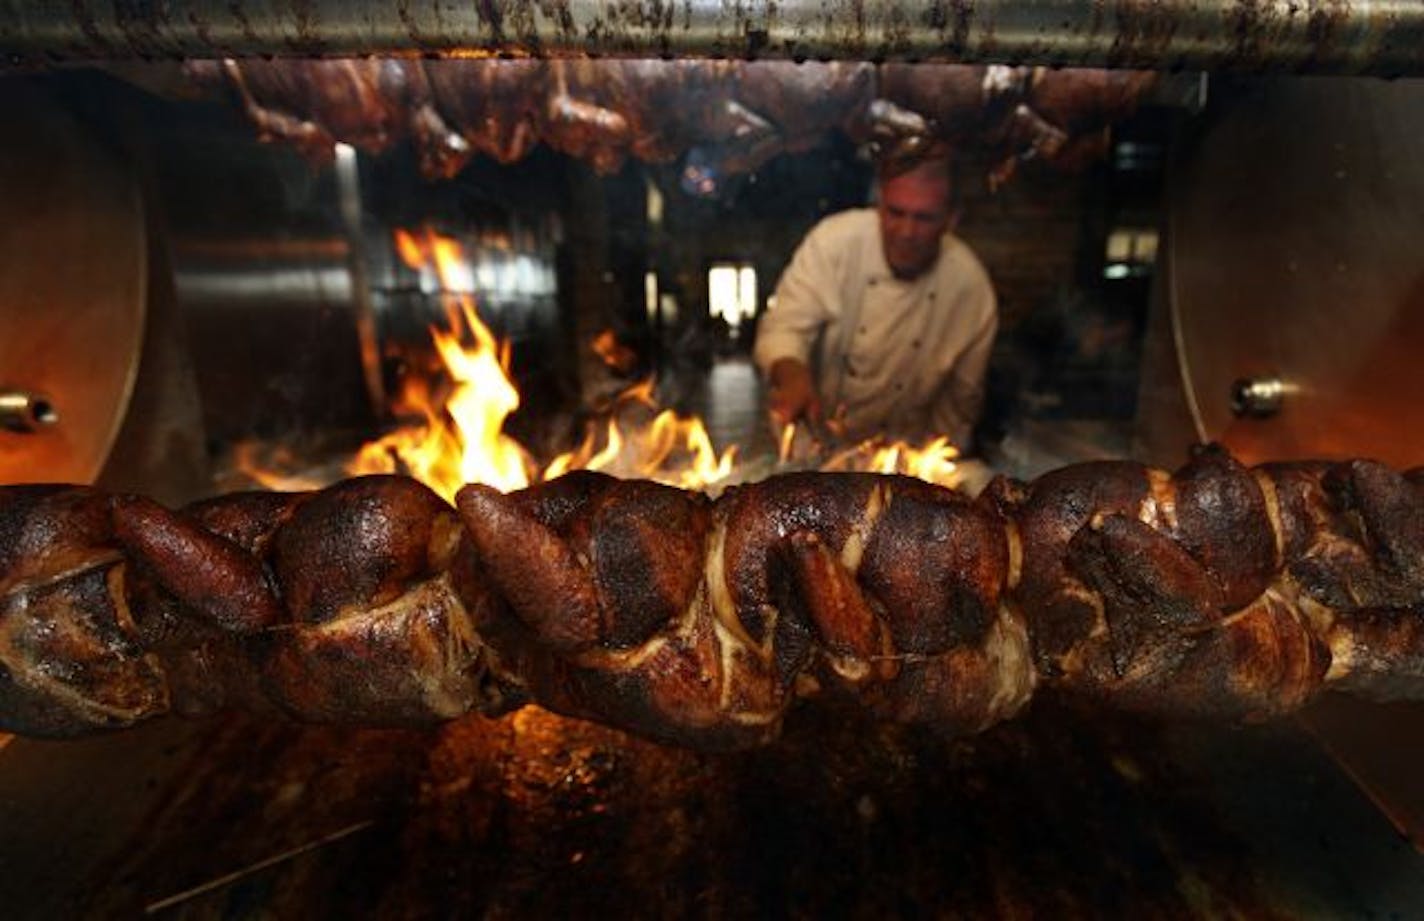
{"x": 1215, "y": 591}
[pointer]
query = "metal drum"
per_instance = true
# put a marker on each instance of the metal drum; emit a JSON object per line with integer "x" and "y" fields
{"x": 1294, "y": 277}
{"x": 73, "y": 279}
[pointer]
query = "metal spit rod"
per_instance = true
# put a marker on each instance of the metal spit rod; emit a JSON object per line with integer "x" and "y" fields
{"x": 1322, "y": 36}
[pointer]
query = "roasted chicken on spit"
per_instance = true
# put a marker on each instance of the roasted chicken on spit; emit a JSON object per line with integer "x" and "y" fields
{"x": 1216, "y": 590}
{"x": 731, "y": 115}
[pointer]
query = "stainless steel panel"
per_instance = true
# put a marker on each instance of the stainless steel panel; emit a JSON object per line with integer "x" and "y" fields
{"x": 73, "y": 276}
{"x": 1294, "y": 244}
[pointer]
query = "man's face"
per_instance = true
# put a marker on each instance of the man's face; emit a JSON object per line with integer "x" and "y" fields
{"x": 914, "y": 212}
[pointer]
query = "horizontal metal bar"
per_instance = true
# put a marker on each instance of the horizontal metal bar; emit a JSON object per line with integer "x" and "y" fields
{"x": 1318, "y": 36}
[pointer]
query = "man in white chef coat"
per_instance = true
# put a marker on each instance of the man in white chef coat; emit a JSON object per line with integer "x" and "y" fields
{"x": 884, "y": 319}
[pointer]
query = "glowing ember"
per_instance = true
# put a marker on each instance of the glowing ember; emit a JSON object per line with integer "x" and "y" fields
{"x": 265, "y": 465}
{"x": 614, "y": 354}
{"x": 455, "y": 434}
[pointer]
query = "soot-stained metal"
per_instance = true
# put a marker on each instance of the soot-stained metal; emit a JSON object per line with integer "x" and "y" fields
{"x": 1384, "y": 37}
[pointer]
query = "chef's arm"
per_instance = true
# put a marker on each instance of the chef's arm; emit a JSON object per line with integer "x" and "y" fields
{"x": 792, "y": 392}
{"x": 788, "y": 330}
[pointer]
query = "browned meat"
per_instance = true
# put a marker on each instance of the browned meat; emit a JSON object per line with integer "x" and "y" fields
{"x": 443, "y": 150}
{"x": 1015, "y": 113}
{"x": 313, "y": 104}
{"x": 366, "y": 102}
{"x": 739, "y": 114}
{"x": 667, "y": 105}
{"x": 951, "y": 98}
{"x": 1071, "y": 111}
{"x": 1082, "y": 99}
{"x": 360, "y": 601}
{"x": 791, "y": 108}
{"x": 1062, "y": 116}
{"x": 71, "y": 660}
{"x": 493, "y": 104}
{"x": 580, "y": 115}
{"x": 1216, "y": 591}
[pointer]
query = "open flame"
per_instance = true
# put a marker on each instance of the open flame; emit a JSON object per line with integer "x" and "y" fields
{"x": 454, "y": 429}
{"x": 935, "y": 461}
{"x": 460, "y": 439}
{"x": 670, "y": 448}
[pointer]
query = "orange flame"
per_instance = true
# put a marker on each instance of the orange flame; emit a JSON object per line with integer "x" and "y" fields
{"x": 935, "y": 461}
{"x": 456, "y": 430}
{"x": 265, "y": 465}
{"x": 461, "y": 440}
{"x": 670, "y": 449}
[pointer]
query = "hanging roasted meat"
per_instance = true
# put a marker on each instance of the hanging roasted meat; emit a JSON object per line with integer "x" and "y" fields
{"x": 580, "y": 118}
{"x": 1063, "y": 116}
{"x": 366, "y": 102}
{"x": 667, "y": 115}
{"x": 798, "y": 105}
{"x": 732, "y": 115}
{"x": 1215, "y": 591}
{"x": 952, "y": 102}
{"x": 492, "y": 104}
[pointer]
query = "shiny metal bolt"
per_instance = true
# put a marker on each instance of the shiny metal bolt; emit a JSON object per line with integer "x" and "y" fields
{"x": 26, "y": 413}
{"x": 1258, "y": 397}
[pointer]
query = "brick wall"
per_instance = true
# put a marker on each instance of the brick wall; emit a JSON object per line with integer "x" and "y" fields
{"x": 1028, "y": 233}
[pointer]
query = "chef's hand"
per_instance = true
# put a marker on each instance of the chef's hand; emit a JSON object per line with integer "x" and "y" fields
{"x": 793, "y": 393}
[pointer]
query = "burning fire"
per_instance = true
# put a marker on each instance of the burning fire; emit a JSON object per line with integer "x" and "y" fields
{"x": 455, "y": 429}
{"x": 462, "y": 440}
{"x": 669, "y": 448}
{"x": 935, "y": 461}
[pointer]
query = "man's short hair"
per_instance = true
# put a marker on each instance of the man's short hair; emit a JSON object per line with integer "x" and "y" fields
{"x": 935, "y": 160}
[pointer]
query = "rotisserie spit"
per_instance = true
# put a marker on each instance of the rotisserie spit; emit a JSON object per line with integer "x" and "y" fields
{"x": 1215, "y": 591}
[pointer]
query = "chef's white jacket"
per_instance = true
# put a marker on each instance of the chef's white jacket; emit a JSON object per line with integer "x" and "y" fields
{"x": 906, "y": 358}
